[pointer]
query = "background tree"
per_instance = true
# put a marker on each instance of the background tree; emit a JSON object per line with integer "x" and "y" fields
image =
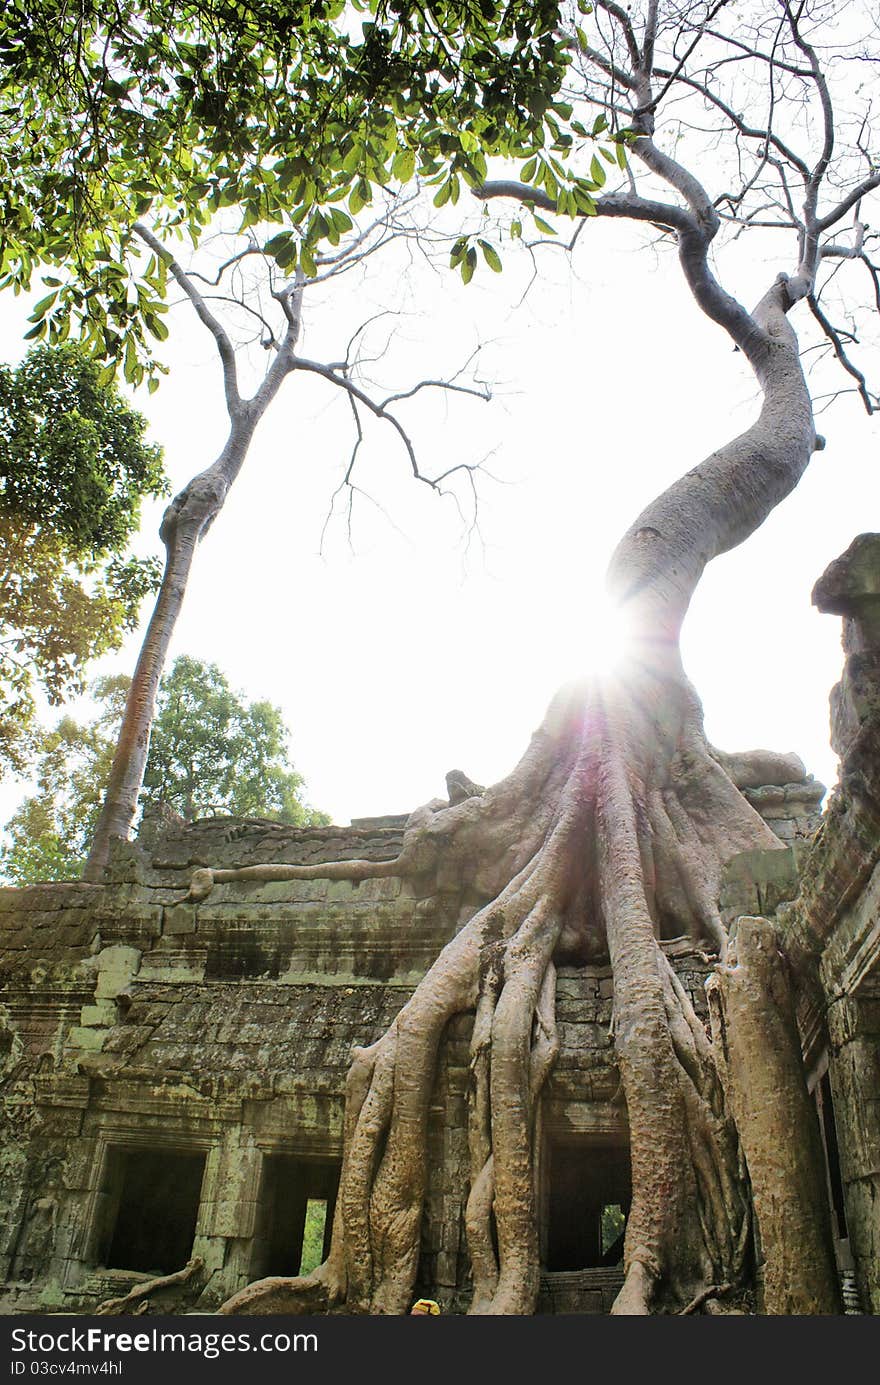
{"x": 213, "y": 752}
{"x": 614, "y": 829}
{"x": 47, "y": 836}
{"x": 74, "y": 466}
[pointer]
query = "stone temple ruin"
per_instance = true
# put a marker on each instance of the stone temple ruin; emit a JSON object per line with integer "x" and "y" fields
{"x": 173, "y": 1073}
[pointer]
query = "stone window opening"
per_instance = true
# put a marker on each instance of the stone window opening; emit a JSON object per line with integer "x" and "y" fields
{"x": 295, "y": 1210}
{"x": 147, "y": 1209}
{"x": 314, "y": 1235}
{"x": 587, "y": 1198}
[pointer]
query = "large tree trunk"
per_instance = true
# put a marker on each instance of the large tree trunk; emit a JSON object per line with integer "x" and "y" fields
{"x": 758, "y": 1048}
{"x": 618, "y": 818}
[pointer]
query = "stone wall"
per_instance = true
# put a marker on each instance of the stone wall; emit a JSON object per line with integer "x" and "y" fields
{"x": 831, "y": 932}
{"x": 135, "y": 1021}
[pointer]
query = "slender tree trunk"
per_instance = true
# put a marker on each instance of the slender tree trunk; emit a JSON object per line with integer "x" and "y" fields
{"x": 185, "y": 522}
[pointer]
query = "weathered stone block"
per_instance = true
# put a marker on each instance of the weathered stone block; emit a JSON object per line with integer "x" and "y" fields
{"x": 116, "y": 967}
{"x": 89, "y": 1040}
{"x": 103, "y": 1012}
{"x": 756, "y": 882}
{"x": 179, "y": 919}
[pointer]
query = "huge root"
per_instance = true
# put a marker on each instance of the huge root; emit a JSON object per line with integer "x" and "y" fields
{"x": 615, "y": 825}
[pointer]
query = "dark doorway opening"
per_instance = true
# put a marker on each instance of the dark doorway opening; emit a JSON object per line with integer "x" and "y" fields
{"x": 587, "y": 1206}
{"x": 825, "y": 1106}
{"x": 151, "y": 1205}
{"x": 295, "y": 1218}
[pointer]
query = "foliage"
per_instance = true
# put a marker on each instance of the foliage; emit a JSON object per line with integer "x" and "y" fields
{"x": 211, "y": 752}
{"x": 49, "y": 833}
{"x": 72, "y": 453}
{"x": 291, "y": 114}
{"x": 313, "y": 1235}
{"x": 74, "y": 466}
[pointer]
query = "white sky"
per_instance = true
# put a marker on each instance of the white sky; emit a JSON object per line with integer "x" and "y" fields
{"x": 407, "y": 655}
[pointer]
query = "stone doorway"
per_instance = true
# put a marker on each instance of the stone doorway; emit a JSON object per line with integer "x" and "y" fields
{"x": 295, "y": 1214}
{"x": 149, "y": 1206}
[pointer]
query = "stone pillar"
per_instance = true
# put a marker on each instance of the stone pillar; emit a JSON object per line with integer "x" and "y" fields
{"x": 850, "y": 965}
{"x": 850, "y": 587}
{"x": 854, "y": 1031}
{"x": 227, "y": 1214}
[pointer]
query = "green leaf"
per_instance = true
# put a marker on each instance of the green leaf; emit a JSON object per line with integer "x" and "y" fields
{"x": 42, "y": 307}
{"x": 404, "y": 165}
{"x": 543, "y": 225}
{"x": 156, "y": 327}
{"x": 277, "y": 243}
{"x": 341, "y": 220}
{"x": 491, "y": 256}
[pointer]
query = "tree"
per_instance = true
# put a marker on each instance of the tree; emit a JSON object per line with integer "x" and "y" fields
{"x": 212, "y": 752}
{"x": 74, "y": 466}
{"x": 620, "y": 816}
{"x": 168, "y": 113}
{"x": 140, "y": 122}
{"x": 192, "y": 512}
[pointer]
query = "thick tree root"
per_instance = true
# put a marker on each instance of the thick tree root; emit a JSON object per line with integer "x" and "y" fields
{"x": 604, "y": 850}
{"x": 137, "y": 1300}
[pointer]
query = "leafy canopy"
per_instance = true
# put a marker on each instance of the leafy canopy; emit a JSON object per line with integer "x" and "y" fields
{"x": 73, "y": 458}
{"x": 212, "y": 752}
{"x": 47, "y": 836}
{"x": 290, "y": 113}
{"x": 74, "y": 466}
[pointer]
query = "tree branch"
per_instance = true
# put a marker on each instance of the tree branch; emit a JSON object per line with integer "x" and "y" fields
{"x": 205, "y": 316}
{"x": 693, "y": 243}
{"x": 625, "y": 23}
{"x": 835, "y": 338}
{"x": 380, "y": 410}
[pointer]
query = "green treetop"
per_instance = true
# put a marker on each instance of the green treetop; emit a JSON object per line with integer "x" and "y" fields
{"x": 212, "y": 752}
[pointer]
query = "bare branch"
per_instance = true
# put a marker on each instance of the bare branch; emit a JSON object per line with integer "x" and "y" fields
{"x": 693, "y": 243}
{"x": 205, "y": 316}
{"x": 745, "y": 129}
{"x": 835, "y": 337}
{"x": 625, "y": 24}
{"x": 853, "y": 197}
{"x": 381, "y": 411}
{"x": 226, "y": 265}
